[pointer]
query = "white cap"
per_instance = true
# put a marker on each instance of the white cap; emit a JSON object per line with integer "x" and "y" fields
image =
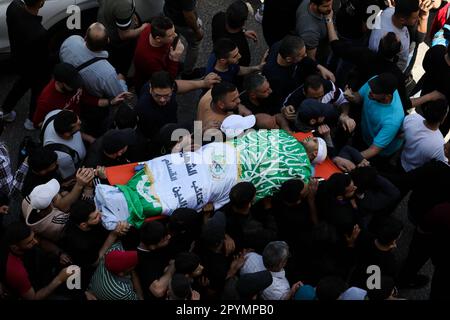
{"x": 235, "y": 125}
{"x": 41, "y": 197}
{"x": 321, "y": 152}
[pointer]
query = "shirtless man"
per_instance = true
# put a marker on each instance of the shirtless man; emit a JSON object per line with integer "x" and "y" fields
{"x": 218, "y": 103}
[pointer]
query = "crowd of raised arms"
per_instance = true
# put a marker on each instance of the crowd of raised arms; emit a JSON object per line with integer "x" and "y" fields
{"x": 335, "y": 71}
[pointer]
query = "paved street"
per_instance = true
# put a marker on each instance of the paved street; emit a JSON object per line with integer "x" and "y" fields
{"x": 15, "y": 132}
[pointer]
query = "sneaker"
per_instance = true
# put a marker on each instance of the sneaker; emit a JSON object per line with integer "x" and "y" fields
{"x": 28, "y": 124}
{"x": 417, "y": 282}
{"x": 197, "y": 73}
{"x": 8, "y": 117}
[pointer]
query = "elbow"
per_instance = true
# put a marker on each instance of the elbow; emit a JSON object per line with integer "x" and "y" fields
{"x": 158, "y": 290}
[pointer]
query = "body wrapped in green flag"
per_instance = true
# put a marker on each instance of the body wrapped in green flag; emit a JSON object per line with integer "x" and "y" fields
{"x": 266, "y": 158}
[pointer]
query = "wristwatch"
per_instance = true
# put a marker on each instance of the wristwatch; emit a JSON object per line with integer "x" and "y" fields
{"x": 328, "y": 20}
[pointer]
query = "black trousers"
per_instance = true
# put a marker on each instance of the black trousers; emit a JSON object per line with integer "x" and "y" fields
{"x": 440, "y": 283}
{"x": 30, "y": 79}
{"x": 418, "y": 255}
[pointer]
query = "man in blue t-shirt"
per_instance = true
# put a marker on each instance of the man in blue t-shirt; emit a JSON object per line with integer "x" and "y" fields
{"x": 382, "y": 115}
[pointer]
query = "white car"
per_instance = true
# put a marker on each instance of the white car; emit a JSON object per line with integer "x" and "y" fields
{"x": 54, "y": 13}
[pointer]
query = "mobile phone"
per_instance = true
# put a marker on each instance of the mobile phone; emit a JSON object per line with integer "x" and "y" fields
{"x": 175, "y": 42}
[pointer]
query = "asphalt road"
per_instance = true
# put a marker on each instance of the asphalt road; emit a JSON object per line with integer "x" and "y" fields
{"x": 15, "y": 131}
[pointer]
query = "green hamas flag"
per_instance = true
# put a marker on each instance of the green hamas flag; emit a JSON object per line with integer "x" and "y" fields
{"x": 142, "y": 203}
{"x": 270, "y": 157}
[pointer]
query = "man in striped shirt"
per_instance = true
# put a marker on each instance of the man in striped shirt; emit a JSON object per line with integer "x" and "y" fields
{"x": 115, "y": 277}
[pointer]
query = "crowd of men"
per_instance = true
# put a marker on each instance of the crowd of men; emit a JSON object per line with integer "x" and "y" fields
{"x": 109, "y": 98}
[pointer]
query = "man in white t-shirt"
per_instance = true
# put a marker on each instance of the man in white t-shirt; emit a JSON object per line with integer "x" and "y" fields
{"x": 62, "y": 135}
{"x": 405, "y": 13}
{"x": 423, "y": 139}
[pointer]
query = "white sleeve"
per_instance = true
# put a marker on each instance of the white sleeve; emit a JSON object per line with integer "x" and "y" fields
{"x": 374, "y": 40}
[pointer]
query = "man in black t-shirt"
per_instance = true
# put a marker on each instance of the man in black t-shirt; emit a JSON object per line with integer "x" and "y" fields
{"x": 84, "y": 238}
{"x": 30, "y": 52}
{"x": 230, "y": 25}
{"x": 279, "y": 21}
{"x": 43, "y": 168}
{"x": 157, "y": 105}
{"x": 287, "y": 67}
{"x": 258, "y": 98}
{"x": 153, "y": 258}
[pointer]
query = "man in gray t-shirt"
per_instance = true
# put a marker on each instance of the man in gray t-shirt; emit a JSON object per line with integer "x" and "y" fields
{"x": 311, "y": 25}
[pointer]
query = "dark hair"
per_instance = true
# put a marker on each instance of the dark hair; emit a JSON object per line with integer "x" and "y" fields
{"x": 185, "y": 219}
{"x": 223, "y": 47}
{"x": 314, "y": 82}
{"x": 64, "y": 122}
{"x": 389, "y": 46}
{"x": 237, "y": 14}
{"x": 186, "y": 262}
{"x": 160, "y": 25}
{"x": 330, "y": 288}
{"x": 152, "y": 232}
{"x": 388, "y": 230}
{"x": 80, "y": 211}
{"x": 220, "y": 90}
{"x": 337, "y": 184}
{"x": 290, "y": 45}
{"x": 125, "y": 117}
{"x": 253, "y": 81}
{"x": 31, "y": 3}
{"x": 181, "y": 287}
{"x": 364, "y": 177}
{"x": 434, "y": 111}
{"x": 41, "y": 158}
{"x": 290, "y": 190}
{"x": 96, "y": 43}
{"x": 161, "y": 79}
{"x": 16, "y": 232}
{"x": 242, "y": 194}
{"x": 404, "y": 8}
{"x": 319, "y": 2}
{"x": 387, "y": 285}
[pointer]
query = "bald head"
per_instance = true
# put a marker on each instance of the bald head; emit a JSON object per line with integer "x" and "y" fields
{"x": 96, "y": 37}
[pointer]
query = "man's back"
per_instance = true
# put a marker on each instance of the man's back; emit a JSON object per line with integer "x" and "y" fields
{"x": 100, "y": 78}
{"x": 421, "y": 143}
{"x": 106, "y": 285}
{"x": 386, "y": 25}
{"x": 67, "y": 165}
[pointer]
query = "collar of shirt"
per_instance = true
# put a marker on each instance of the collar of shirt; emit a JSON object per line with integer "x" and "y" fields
{"x": 314, "y": 14}
{"x": 279, "y": 275}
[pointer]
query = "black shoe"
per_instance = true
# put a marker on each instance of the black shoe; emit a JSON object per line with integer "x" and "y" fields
{"x": 197, "y": 73}
{"x": 417, "y": 282}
